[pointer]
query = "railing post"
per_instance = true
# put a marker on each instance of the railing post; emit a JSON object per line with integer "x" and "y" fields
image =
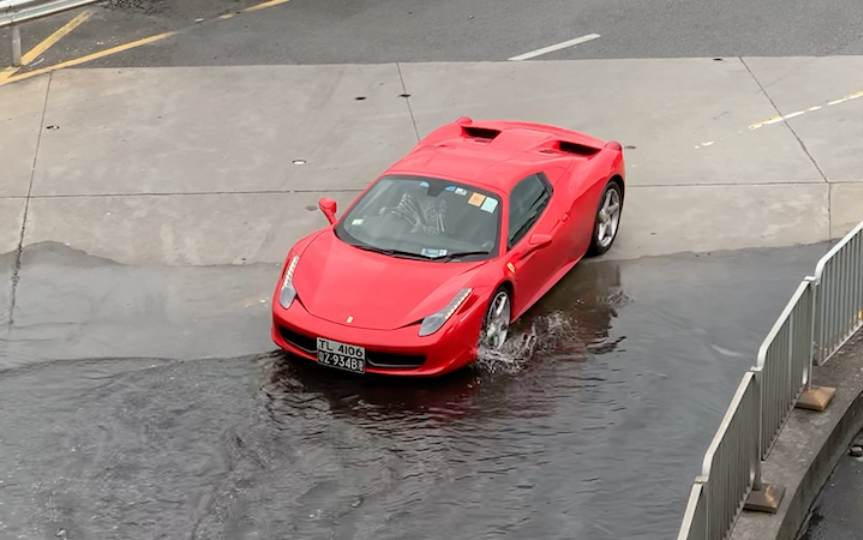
{"x": 814, "y": 398}
{"x": 695, "y": 518}
{"x": 759, "y": 373}
{"x": 817, "y": 347}
{"x": 763, "y": 497}
{"x": 16, "y": 46}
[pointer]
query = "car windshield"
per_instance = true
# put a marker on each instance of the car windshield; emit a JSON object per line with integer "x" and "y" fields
{"x": 424, "y": 218}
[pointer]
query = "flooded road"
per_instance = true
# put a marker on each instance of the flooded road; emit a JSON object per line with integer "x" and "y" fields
{"x": 148, "y": 404}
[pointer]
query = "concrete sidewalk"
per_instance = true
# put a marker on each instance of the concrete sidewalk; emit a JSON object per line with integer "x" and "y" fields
{"x": 195, "y": 166}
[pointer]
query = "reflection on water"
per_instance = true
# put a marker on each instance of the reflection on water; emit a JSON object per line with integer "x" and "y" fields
{"x": 592, "y": 429}
{"x": 276, "y": 446}
{"x": 574, "y": 319}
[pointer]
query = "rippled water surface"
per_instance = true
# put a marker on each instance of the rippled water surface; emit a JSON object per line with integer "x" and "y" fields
{"x": 592, "y": 429}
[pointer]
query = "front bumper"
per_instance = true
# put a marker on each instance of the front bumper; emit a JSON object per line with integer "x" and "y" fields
{"x": 399, "y": 352}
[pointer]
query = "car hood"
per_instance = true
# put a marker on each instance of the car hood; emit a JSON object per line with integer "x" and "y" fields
{"x": 336, "y": 281}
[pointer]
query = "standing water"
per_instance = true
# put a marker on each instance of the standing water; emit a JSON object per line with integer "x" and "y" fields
{"x": 592, "y": 423}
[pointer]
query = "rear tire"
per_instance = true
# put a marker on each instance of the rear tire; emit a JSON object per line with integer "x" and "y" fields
{"x": 495, "y": 328}
{"x": 606, "y": 224}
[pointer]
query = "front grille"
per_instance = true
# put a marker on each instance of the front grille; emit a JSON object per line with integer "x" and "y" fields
{"x": 374, "y": 358}
{"x": 306, "y": 343}
{"x": 394, "y": 360}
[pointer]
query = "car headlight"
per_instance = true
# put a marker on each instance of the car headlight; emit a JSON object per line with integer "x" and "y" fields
{"x": 434, "y": 322}
{"x": 288, "y": 292}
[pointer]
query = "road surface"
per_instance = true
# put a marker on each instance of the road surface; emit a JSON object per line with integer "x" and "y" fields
{"x": 150, "y": 194}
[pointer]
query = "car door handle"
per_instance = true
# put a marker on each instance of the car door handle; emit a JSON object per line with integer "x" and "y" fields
{"x": 563, "y": 219}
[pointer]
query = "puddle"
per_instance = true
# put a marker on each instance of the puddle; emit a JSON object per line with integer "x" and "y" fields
{"x": 592, "y": 423}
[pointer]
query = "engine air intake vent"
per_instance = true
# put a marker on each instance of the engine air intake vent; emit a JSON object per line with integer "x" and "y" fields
{"x": 480, "y": 133}
{"x": 577, "y": 149}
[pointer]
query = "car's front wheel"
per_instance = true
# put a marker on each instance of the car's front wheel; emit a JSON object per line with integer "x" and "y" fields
{"x": 497, "y": 319}
{"x": 607, "y": 221}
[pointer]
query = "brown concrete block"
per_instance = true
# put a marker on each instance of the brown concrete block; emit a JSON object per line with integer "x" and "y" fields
{"x": 817, "y": 398}
{"x": 767, "y": 499}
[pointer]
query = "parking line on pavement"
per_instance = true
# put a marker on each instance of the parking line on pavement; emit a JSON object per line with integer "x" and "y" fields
{"x": 777, "y": 119}
{"x": 265, "y": 5}
{"x": 9, "y": 74}
{"x": 90, "y": 57}
{"x": 46, "y": 44}
{"x": 553, "y": 48}
{"x": 6, "y": 73}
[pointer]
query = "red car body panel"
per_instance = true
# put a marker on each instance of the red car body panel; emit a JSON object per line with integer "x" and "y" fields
{"x": 378, "y": 302}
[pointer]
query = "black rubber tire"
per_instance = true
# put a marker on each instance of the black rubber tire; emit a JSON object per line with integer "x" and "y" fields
{"x": 595, "y": 248}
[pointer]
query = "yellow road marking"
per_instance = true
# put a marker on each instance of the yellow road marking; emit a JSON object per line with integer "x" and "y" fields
{"x": 767, "y": 122}
{"x": 265, "y": 5}
{"x": 48, "y": 42}
{"x": 90, "y": 57}
{"x": 8, "y": 75}
{"x": 776, "y": 119}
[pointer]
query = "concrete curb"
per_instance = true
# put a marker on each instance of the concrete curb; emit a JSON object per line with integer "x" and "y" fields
{"x": 809, "y": 448}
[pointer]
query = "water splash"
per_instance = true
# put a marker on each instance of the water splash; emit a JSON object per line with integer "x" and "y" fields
{"x": 546, "y": 334}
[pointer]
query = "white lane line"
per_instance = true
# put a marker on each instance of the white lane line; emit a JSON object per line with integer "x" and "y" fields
{"x": 552, "y": 48}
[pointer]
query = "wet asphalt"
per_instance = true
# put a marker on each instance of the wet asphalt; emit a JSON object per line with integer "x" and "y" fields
{"x": 836, "y": 513}
{"x": 382, "y": 31}
{"x": 149, "y": 403}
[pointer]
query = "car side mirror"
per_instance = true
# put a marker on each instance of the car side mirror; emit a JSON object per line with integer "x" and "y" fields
{"x": 537, "y": 241}
{"x": 328, "y": 207}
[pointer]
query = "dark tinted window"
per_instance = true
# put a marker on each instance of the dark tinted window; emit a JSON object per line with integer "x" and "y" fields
{"x": 526, "y": 203}
{"x": 426, "y": 218}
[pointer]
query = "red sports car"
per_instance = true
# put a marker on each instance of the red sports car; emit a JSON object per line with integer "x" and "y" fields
{"x": 448, "y": 247}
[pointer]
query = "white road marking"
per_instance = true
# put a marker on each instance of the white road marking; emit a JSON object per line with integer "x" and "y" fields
{"x": 552, "y": 48}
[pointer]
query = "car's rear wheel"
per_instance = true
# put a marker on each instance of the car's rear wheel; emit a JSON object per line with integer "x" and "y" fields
{"x": 497, "y": 319}
{"x": 607, "y": 221}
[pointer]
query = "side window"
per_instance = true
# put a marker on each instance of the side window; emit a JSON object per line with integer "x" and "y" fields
{"x": 526, "y": 202}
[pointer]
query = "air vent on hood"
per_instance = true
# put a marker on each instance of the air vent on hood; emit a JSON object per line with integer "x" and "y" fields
{"x": 577, "y": 149}
{"x": 480, "y": 133}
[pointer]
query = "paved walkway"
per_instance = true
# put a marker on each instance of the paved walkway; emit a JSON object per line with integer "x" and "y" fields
{"x": 195, "y": 166}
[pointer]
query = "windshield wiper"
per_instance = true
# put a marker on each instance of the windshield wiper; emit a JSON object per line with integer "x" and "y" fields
{"x": 459, "y": 254}
{"x": 395, "y": 252}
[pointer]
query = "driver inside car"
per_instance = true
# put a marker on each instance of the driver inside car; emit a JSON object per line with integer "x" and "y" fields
{"x": 424, "y": 212}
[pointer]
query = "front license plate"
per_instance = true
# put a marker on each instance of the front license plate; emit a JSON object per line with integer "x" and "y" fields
{"x": 341, "y": 356}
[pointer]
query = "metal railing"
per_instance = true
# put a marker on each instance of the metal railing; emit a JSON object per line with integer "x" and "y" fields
{"x": 839, "y": 279}
{"x": 695, "y": 518}
{"x": 823, "y": 313}
{"x": 15, "y": 12}
{"x": 731, "y": 465}
{"x": 785, "y": 362}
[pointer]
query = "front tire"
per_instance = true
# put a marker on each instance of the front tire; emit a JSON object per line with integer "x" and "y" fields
{"x": 497, "y": 319}
{"x": 607, "y": 221}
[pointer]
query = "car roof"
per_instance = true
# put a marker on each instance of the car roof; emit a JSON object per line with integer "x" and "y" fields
{"x": 495, "y": 154}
